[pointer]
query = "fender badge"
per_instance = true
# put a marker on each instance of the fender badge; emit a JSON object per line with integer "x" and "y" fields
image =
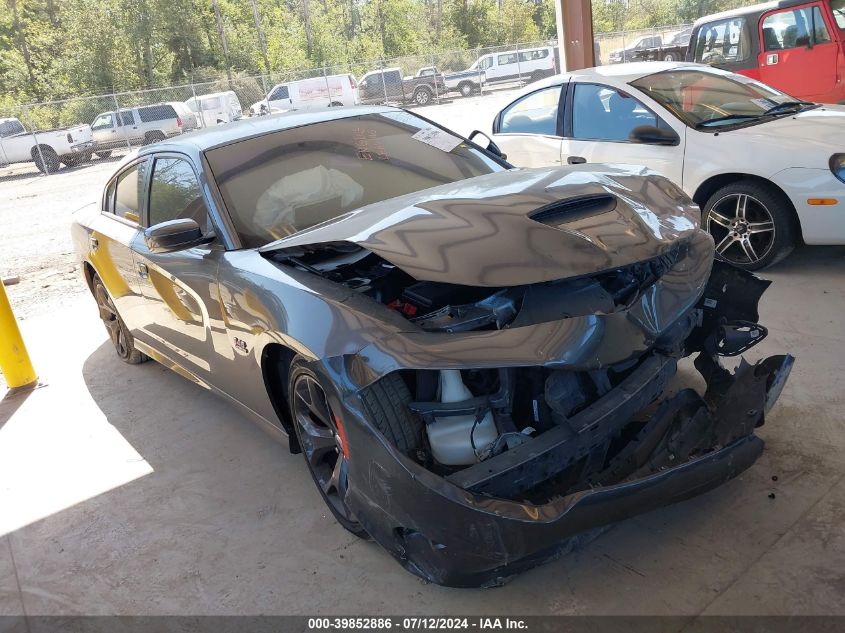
{"x": 241, "y": 345}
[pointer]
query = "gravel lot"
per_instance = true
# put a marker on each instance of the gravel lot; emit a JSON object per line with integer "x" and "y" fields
{"x": 35, "y": 213}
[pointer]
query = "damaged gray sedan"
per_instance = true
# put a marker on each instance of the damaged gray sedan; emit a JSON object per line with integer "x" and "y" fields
{"x": 474, "y": 360}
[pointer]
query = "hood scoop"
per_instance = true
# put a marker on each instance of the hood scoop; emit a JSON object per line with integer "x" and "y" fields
{"x": 574, "y": 209}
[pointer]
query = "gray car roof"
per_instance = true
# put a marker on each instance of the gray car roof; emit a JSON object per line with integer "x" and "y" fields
{"x": 216, "y": 136}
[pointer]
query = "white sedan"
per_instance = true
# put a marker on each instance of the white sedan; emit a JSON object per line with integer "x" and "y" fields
{"x": 766, "y": 169}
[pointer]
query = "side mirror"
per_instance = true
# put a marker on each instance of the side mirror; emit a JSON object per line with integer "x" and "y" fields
{"x": 174, "y": 235}
{"x": 651, "y": 135}
{"x": 490, "y": 147}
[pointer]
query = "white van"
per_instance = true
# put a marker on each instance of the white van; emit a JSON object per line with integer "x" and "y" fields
{"x": 215, "y": 108}
{"x": 529, "y": 64}
{"x": 317, "y": 92}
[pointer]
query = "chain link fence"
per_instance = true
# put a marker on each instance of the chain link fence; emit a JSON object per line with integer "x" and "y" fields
{"x": 47, "y": 138}
{"x": 665, "y": 43}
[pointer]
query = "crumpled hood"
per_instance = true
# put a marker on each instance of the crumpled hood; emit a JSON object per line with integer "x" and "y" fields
{"x": 479, "y": 231}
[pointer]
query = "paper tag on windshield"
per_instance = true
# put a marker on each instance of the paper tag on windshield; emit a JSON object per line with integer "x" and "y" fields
{"x": 438, "y": 138}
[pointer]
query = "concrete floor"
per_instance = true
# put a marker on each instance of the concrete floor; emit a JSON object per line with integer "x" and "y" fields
{"x": 129, "y": 490}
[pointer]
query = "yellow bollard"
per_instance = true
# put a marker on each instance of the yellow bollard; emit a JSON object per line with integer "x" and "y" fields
{"x": 14, "y": 360}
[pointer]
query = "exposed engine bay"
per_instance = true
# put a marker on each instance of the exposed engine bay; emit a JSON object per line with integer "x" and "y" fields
{"x": 442, "y": 307}
{"x": 535, "y": 433}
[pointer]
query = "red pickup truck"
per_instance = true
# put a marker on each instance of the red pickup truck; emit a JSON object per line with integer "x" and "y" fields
{"x": 797, "y": 46}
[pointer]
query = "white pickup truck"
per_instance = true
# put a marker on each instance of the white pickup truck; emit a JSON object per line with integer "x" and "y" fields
{"x": 71, "y": 146}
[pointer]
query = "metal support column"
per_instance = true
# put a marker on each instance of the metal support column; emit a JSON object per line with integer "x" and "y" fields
{"x": 575, "y": 34}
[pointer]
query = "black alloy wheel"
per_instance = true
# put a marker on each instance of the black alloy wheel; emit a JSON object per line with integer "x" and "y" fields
{"x": 120, "y": 337}
{"x": 323, "y": 444}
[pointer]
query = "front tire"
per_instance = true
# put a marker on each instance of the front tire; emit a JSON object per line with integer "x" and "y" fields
{"x": 74, "y": 160}
{"x": 119, "y": 334}
{"x": 323, "y": 440}
{"x": 323, "y": 444}
{"x": 753, "y": 224}
{"x": 104, "y": 155}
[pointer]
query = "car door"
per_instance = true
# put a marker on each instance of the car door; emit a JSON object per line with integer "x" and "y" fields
{"x": 113, "y": 232}
{"x": 798, "y": 54}
{"x": 600, "y": 119}
{"x": 104, "y": 130}
{"x": 178, "y": 286}
{"x": 280, "y": 97}
{"x": 530, "y": 130}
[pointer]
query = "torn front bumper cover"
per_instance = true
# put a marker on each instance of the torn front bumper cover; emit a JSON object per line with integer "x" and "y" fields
{"x": 455, "y": 532}
{"x": 482, "y": 524}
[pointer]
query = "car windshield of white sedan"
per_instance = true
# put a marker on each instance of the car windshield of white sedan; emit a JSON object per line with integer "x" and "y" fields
{"x": 707, "y": 100}
{"x": 283, "y": 182}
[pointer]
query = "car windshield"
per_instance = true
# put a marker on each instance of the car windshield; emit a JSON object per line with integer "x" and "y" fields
{"x": 705, "y": 99}
{"x": 280, "y": 183}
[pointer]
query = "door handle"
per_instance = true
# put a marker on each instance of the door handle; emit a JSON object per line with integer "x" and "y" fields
{"x": 94, "y": 242}
{"x": 576, "y": 160}
{"x": 772, "y": 59}
{"x": 143, "y": 271}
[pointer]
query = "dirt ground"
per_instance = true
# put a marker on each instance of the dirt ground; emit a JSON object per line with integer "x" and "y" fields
{"x": 35, "y": 246}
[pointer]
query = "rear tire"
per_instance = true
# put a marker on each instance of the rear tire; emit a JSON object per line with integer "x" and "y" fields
{"x": 669, "y": 57}
{"x": 422, "y": 96}
{"x": 753, "y": 224}
{"x": 46, "y": 160}
{"x": 119, "y": 334}
{"x": 104, "y": 155}
{"x": 466, "y": 88}
{"x": 153, "y": 137}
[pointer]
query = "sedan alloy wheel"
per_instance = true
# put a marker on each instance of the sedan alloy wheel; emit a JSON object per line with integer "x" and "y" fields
{"x": 742, "y": 227}
{"x": 324, "y": 446}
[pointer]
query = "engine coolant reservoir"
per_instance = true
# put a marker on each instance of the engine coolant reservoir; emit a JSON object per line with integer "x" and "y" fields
{"x": 449, "y": 436}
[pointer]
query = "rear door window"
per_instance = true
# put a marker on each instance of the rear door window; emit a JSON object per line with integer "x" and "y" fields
{"x": 130, "y": 192}
{"x": 723, "y": 41}
{"x": 536, "y": 113}
{"x": 156, "y": 113}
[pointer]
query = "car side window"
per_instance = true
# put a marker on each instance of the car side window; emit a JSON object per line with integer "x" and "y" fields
{"x": 723, "y": 41}
{"x": 130, "y": 192}
{"x": 103, "y": 121}
{"x": 10, "y": 128}
{"x": 602, "y": 113}
{"x": 126, "y": 118}
{"x": 510, "y": 58}
{"x": 793, "y": 29}
{"x": 280, "y": 92}
{"x": 175, "y": 193}
{"x": 536, "y": 113}
{"x": 838, "y": 9}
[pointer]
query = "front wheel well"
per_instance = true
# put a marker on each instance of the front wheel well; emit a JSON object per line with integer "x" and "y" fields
{"x": 275, "y": 368}
{"x": 714, "y": 183}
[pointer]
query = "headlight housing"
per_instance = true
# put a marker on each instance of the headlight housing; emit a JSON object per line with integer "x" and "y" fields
{"x": 837, "y": 166}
